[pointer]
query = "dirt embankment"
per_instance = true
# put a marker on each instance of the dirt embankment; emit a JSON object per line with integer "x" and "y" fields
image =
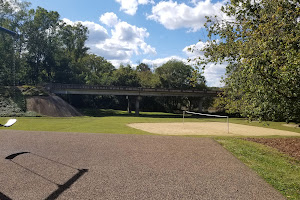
{"x": 52, "y": 106}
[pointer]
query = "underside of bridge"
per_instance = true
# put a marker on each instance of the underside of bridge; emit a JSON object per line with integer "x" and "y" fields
{"x": 136, "y": 92}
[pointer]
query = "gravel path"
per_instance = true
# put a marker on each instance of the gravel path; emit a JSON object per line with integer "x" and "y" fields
{"x": 45, "y": 165}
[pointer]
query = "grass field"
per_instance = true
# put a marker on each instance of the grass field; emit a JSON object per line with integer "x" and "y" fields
{"x": 281, "y": 171}
{"x": 111, "y": 121}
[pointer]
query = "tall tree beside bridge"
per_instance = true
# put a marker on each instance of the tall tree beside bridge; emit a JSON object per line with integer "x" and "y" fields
{"x": 261, "y": 46}
{"x": 12, "y": 16}
{"x": 176, "y": 74}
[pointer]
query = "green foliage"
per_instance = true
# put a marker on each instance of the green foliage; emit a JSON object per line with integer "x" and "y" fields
{"x": 125, "y": 76}
{"x": 11, "y": 19}
{"x": 261, "y": 48}
{"x": 176, "y": 74}
{"x": 47, "y": 50}
{"x": 12, "y": 102}
{"x": 146, "y": 77}
{"x": 33, "y": 91}
{"x": 98, "y": 71}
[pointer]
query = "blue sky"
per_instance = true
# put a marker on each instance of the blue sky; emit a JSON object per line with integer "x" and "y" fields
{"x": 149, "y": 31}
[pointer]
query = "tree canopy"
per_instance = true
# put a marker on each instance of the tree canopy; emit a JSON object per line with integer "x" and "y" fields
{"x": 261, "y": 46}
{"x": 176, "y": 74}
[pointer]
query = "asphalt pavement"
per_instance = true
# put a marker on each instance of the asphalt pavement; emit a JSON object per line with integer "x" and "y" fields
{"x": 51, "y": 165}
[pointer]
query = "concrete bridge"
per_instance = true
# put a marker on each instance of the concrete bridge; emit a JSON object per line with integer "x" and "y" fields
{"x": 137, "y": 92}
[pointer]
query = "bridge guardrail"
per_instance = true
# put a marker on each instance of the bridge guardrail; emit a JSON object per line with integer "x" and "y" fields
{"x": 52, "y": 87}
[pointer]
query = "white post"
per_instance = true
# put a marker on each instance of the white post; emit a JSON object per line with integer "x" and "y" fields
{"x": 183, "y": 117}
{"x": 228, "y": 124}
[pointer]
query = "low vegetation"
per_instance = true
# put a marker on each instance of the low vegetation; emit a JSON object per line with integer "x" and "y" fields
{"x": 12, "y": 102}
{"x": 278, "y": 169}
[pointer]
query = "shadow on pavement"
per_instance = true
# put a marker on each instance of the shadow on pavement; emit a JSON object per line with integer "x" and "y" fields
{"x": 4, "y": 197}
{"x": 61, "y": 188}
{"x": 66, "y": 185}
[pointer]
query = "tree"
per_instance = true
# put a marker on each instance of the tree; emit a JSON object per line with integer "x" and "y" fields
{"x": 12, "y": 15}
{"x": 146, "y": 77}
{"x": 72, "y": 54}
{"x": 98, "y": 70}
{"x": 261, "y": 46}
{"x": 125, "y": 76}
{"x": 41, "y": 43}
{"x": 143, "y": 68}
{"x": 176, "y": 74}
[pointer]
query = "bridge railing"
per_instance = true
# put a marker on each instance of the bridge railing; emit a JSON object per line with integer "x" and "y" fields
{"x": 100, "y": 87}
{"x": 56, "y": 86}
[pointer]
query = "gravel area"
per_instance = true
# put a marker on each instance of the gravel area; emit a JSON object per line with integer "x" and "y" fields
{"x": 51, "y": 165}
{"x": 209, "y": 128}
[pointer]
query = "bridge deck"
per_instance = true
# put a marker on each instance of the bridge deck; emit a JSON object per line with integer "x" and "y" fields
{"x": 130, "y": 91}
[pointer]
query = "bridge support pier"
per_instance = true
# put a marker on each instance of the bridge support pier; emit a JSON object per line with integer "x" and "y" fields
{"x": 128, "y": 105}
{"x": 137, "y": 105}
{"x": 200, "y": 105}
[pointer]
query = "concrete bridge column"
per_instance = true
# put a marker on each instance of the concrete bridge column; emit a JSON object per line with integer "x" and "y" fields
{"x": 200, "y": 105}
{"x": 128, "y": 104}
{"x": 137, "y": 105}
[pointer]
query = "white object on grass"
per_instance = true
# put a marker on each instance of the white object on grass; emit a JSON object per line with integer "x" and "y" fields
{"x": 9, "y": 123}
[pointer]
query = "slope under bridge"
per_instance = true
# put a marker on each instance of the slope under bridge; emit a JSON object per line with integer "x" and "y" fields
{"x": 138, "y": 92}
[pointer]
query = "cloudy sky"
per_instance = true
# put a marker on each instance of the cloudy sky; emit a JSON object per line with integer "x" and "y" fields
{"x": 148, "y": 31}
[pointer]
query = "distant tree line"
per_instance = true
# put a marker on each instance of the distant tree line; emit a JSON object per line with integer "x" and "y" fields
{"x": 50, "y": 51}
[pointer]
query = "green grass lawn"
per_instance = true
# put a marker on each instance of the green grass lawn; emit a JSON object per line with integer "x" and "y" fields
{"x": 112, "y": 121}
{"x": 109, "y": 123}
{"x": 281, "y": 171}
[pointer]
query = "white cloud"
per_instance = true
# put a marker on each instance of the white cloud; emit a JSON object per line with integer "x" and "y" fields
{"x": 122, "y": 62}
{"x": 109, "y": 19}
{"x": 130, "y": 6}
{"x": 97, "y": 33}
{"x": 124, "y": 41}
{"x": 160, "y": 61}
{"x": 194, "y": 50}
{"x": 127, "y": 32}
{"x": 173, "y": 15}
{"x": 213, "y": 72}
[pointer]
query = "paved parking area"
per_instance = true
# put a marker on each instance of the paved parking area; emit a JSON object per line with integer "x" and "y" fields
{"x": 48, "y": 165}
